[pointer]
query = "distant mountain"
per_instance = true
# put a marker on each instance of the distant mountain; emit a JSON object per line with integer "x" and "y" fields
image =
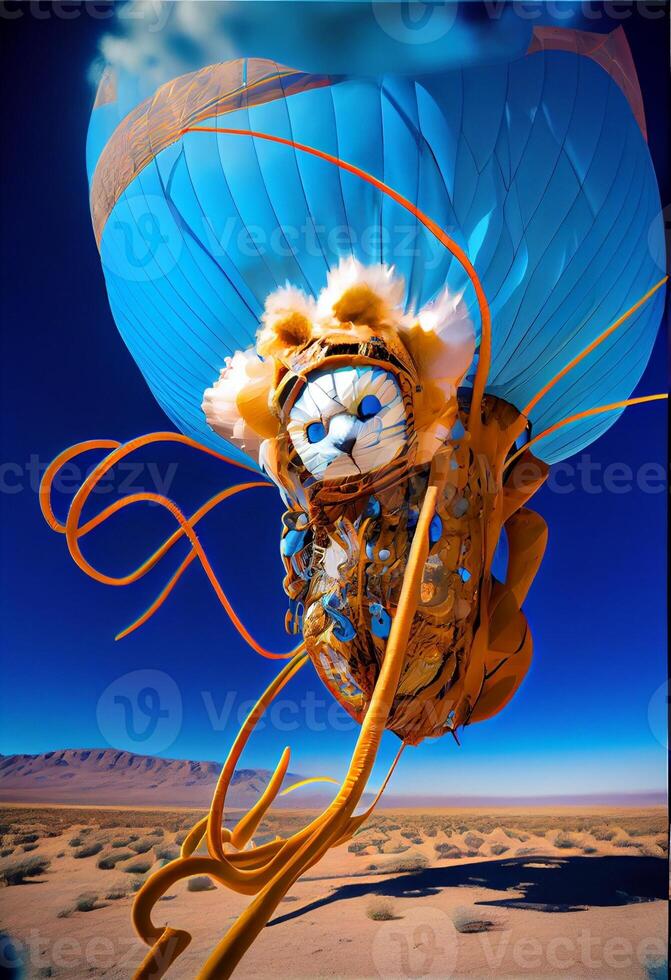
{"x": 113, "y": 777}
{"x": 110, "y": 777}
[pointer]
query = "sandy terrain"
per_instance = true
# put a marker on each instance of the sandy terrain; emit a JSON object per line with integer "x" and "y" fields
{"x": 507, "y": 893}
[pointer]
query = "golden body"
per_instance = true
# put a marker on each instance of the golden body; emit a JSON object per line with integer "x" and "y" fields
{"x": 463, "y": 662}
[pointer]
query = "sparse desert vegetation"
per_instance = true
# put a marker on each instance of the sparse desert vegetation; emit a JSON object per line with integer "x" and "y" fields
{"x": 87, "y": 865}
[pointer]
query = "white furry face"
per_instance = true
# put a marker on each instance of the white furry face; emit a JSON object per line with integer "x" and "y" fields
{"x": 348, "y": 422}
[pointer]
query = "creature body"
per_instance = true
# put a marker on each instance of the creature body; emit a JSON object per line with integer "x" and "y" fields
{"x": 345, "y": 565}
{"x": 394, "y": 404}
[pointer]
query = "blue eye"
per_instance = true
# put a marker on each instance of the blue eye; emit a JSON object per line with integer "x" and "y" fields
{"x": 315, "y": 431}
{"x": 368, "y": 407}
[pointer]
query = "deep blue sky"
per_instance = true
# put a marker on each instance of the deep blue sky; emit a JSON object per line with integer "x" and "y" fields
{"x": 597, "y": 609}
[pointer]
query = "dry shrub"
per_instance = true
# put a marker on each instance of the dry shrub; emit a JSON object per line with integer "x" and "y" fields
{"x": 409, "y": 862}
{"x": 15, "y": 873}
{"x": 201, "y": 883}
{"x": 381, "y": 910}
{"x": 87, "y": 902}
{"x": 565, "y": 841}
{"x": 88, "y": 850}
{"x": 117, "y": 891}
{"x": 603, "y": 833}
{"x": 137, "y": 867}
{"x": 467, "y": 920}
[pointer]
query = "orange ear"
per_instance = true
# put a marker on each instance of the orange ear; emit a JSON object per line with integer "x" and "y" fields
{"x": 370, "y": 295}
{"x": 287, "y": 322}
{"x": 360, "y": 304}
{"x": 441, "y": 341}
{"x": 283, "y": 333}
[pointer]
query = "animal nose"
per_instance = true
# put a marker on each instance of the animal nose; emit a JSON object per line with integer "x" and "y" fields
{"x": 345, "y": 445}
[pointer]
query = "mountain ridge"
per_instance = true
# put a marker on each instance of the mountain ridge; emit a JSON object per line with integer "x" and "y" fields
{"x": 116, "y": 777}
{"x": 119, "y": 777}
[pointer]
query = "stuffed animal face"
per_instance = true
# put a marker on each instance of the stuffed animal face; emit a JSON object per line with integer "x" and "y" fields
{"x": 348, "y": 422}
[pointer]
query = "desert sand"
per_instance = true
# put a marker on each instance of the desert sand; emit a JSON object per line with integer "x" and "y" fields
{"x": 462, "y": 893}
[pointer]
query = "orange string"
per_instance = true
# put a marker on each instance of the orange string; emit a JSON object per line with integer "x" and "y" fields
{"x": 74, "y": 530}
{"x": 485, "y": 353}
{"x": 583, "y": 415}
{"x": 595, "y": 343}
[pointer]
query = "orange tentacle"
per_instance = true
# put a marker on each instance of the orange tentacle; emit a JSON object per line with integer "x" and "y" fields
{"x": 584, "y": 415}
{"x": 595, "y": 343}
{"x": 74, "y": 530}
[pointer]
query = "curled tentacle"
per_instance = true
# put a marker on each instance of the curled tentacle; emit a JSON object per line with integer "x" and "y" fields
{"x": 74, "y": 530}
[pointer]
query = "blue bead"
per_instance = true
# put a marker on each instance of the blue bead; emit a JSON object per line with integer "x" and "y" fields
{"x": 291, "y": 543}
{"x": 372, "y": 508}
{"x": 435, "y": 529}
{"x": 380, "y": 624}
{"x": 464, "y": 574}
{"x": 343, "y": 630}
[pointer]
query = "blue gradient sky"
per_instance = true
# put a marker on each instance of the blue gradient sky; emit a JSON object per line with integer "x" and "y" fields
{"x": 580, "y": 722}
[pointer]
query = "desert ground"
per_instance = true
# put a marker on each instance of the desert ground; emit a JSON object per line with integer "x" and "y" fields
{"x": 452, "y": 893}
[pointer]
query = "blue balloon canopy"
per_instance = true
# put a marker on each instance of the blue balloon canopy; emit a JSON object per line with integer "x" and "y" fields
{"x": 536, "y": 167}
